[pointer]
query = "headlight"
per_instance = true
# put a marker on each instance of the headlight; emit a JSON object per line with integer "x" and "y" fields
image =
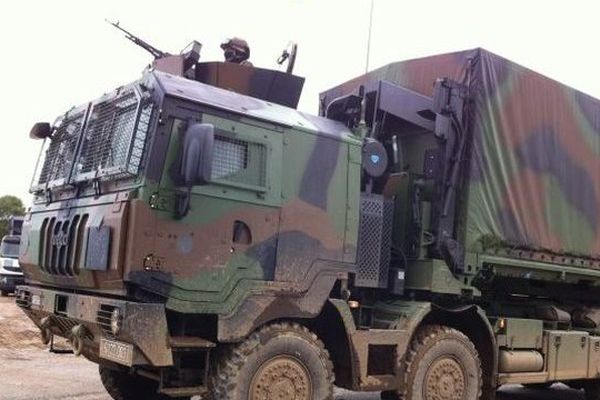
{"x": 115, "y": 321}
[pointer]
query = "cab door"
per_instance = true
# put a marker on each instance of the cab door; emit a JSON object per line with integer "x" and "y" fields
{"x": 228, "y": 239}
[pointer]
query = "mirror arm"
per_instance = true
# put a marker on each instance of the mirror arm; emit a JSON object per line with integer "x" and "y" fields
{"x": 195, "y": 164}
{"x": 182, "y": 206}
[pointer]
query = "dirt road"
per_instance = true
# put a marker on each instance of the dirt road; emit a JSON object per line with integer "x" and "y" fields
{"x": 29, "y": 372}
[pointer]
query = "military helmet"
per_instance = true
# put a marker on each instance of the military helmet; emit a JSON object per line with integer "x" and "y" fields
{"x": 236, "y": 50}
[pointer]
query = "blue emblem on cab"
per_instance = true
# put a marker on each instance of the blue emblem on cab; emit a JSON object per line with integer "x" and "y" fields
{"x": 374, "y": 158}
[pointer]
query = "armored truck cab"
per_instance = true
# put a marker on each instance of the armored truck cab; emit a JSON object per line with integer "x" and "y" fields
{"x": 169, "y": 199}
{"x": 193, "y": 233}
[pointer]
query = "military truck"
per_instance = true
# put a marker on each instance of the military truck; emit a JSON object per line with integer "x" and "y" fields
{"x": 433, "y": 234}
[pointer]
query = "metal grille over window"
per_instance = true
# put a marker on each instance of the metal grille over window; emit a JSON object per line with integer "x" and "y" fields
{"x": 239, "y": 161}
{"x": 59, "y": 151}
{"x": 114, "y": 138}
{"x": 139, "y": 140}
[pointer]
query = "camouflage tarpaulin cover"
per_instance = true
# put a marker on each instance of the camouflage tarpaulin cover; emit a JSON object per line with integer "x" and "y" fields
{"x": 535, "y": 159}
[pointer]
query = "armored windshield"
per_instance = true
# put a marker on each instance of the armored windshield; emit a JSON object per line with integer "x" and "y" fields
{"x": 102, "y": 140}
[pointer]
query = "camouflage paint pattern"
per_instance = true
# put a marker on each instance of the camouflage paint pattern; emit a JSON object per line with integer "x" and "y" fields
{"x": 534, "y": 180}
{"x": 302, "y": 219}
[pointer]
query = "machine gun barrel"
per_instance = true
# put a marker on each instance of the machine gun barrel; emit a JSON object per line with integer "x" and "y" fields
{"x": 142, "y": 43}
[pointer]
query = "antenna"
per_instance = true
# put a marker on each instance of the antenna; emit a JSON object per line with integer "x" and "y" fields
{"x": 369, "y": 39}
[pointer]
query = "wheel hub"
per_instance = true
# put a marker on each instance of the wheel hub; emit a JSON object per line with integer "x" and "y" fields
{"x": 445, "y": 380}
{"x": 281, "y": 378}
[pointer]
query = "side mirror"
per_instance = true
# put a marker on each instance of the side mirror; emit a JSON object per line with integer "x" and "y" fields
{"x": 41, "y": 130}
{"x": 345, "y": 109}
{"x": 196, "y": 155}
{"x": 441, "y": 96}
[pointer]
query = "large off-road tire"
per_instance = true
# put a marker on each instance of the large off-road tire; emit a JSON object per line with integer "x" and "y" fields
{"x": 4, "y": 293}
{"x": 124, "y": 386}
{"x": 441, "y": 364}
{"x": 279, "y": 361}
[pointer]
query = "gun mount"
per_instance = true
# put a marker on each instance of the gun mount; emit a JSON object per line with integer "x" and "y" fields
{"x": 235, "y": 73}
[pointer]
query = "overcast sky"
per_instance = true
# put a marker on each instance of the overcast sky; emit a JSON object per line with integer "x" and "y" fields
{"x": 56, "y": 54}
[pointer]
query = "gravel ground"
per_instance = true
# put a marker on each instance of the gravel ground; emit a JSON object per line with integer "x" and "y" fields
{"x": 30, "y": 372}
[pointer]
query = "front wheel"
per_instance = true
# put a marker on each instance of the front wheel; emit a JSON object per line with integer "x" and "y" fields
{"x": 279, "y": 361}
{"x": 442, "y": 364}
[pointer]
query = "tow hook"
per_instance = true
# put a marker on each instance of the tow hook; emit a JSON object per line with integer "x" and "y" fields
{"x": 78, "y": 333}
{"x": 45, "y": 331}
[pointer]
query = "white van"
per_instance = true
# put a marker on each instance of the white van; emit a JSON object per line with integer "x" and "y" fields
{"x": 10, "y": 272}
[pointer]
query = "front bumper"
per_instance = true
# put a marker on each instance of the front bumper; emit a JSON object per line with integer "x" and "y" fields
{"x": 144, "y": 325}
{"x": 8, "y": 283}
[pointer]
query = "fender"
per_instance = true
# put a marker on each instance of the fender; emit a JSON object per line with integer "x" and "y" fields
{"x": 406, "y": 317}
{"x": 397, "y": 322}
{"x": 473, "y": 322}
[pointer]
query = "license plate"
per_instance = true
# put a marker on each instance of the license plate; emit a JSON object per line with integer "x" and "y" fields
{"x": 36, "y": 300}
{"x": 118, "y": 352}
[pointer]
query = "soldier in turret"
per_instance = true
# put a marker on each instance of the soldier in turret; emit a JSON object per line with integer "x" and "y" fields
{"x": 237, "y": 51}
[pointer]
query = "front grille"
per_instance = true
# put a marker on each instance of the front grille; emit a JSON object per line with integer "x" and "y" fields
{"x": 103, "y": 318}
{"x": 61, "y": 243}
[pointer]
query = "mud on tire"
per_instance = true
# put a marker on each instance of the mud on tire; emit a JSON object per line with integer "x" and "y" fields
{"x": 281, "y": 360}
{"x": 124, "y": 386}
{"x": 442, "y": 363}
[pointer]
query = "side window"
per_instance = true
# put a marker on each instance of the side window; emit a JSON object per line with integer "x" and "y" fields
{"x": 247, "y": 158}
{"x": 239, "y": 161}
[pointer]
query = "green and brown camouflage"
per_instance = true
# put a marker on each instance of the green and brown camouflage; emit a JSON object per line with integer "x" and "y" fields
{"x": 533, "y": 182}
{"x": 196, "y": 263}
{"x": 489, "y": 189}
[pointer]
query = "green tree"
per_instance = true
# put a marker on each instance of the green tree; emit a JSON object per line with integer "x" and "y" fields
{"x": 9, "y": 206}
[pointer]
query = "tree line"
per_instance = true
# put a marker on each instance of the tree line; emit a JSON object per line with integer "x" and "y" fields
{"x": 9, "y": 206}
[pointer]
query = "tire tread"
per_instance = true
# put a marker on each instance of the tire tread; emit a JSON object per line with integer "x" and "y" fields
{"x": 423, "y": 339}
{"x": 228, "y": 369}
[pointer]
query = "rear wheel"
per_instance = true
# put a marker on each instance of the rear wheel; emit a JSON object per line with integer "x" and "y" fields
{"x": 124, "y": 386}
{"x": 280, "y": 361}
{"x": 442, "y": 364}
{"x": 4, "y": 293}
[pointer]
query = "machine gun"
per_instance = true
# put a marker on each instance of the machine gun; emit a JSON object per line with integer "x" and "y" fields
{"x": 234, "y": 74}
{"x": 156, "y": 53}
